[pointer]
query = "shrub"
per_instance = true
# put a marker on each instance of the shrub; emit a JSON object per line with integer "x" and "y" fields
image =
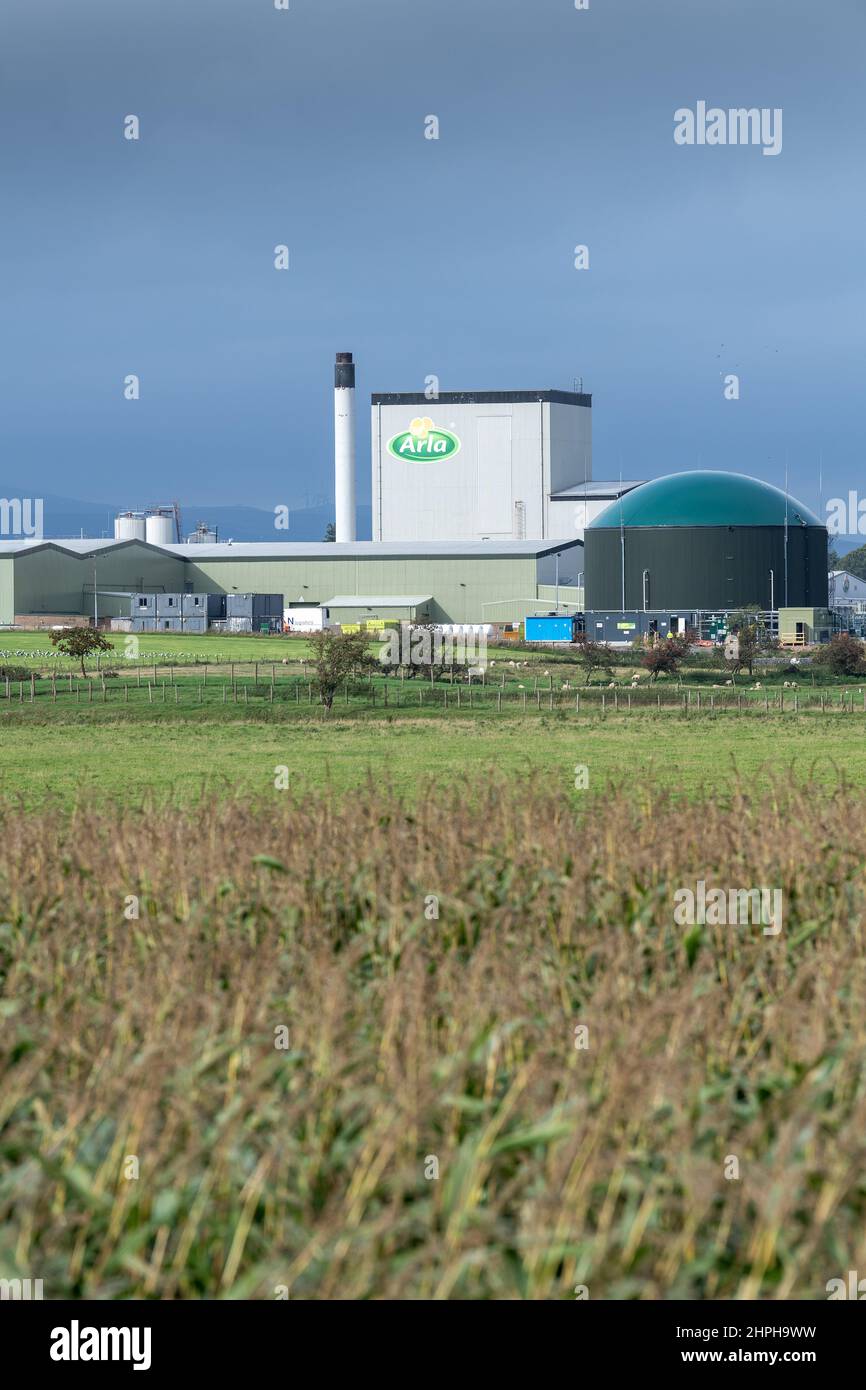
{"x": 843, "y": 655}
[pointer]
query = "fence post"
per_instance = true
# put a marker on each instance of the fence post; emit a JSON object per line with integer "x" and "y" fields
{"x": 149, "y": 693}
{"x": 498, "y": 700}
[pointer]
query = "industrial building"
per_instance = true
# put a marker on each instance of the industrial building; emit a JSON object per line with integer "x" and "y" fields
{"x": 484, "y": 466}
{"x": 482, "y": 502}
{"x": 448, "y": 583}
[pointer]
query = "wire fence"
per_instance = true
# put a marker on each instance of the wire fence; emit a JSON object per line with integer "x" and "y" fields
{"x": 239, "y": 686}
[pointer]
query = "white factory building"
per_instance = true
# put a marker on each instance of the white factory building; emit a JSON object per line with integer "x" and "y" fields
{"x": 484, "y": 466}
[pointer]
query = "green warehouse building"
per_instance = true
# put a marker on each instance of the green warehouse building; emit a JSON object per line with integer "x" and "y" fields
{"x": 48, "y": 582}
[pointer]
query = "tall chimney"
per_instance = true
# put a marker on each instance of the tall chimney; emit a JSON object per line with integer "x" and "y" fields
{"x": 344, "y": 445}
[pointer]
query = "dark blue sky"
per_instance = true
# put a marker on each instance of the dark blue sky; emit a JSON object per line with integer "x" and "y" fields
{"x": 452, "y": 257}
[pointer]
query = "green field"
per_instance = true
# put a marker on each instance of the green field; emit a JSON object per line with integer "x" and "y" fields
{"x": 175, "y": 751}
{"x": 223, "y": 712}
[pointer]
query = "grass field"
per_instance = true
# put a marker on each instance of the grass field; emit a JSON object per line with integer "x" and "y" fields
{"x": 174, "y": 752}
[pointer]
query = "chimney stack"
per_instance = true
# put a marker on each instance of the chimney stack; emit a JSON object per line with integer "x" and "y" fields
{"x": 344, "y": 445}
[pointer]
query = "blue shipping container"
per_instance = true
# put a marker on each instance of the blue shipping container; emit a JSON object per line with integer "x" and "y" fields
{"x": 550, "y": 628}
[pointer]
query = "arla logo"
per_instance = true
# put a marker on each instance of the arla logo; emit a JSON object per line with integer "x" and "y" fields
{"x": 424, "y": 442}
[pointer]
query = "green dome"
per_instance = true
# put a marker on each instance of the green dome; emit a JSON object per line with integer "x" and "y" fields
{"x": 703, "y": 498}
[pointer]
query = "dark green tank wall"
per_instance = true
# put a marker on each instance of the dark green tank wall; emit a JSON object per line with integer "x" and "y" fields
{"x": 706, "y": 567}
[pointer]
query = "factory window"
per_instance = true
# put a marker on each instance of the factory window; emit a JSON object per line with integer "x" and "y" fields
{"x": 142, "y": 603}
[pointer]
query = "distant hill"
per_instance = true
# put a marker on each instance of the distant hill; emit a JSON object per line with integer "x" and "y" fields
{"x": 66, "y": 517}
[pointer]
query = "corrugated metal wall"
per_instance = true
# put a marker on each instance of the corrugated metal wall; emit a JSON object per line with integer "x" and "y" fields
{"x": 710, "y": 567}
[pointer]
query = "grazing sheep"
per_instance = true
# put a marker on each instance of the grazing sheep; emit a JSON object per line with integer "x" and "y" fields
{"x": 729, "y": 682}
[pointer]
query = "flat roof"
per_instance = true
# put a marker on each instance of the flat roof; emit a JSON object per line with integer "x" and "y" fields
{"x": 313, "y": 550}
{"x": 370, "y": 550}
{"x": 377, "y": 601}
{"x": 597, "y": 490}
{"x": 583, "y": 398}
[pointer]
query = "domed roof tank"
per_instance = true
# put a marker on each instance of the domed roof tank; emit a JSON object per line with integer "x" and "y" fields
{"x": 705, "y": 540}
{"x": 704, "y": 498}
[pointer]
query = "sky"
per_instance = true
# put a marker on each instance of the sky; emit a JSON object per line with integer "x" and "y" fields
{"x": 452, "y": 257}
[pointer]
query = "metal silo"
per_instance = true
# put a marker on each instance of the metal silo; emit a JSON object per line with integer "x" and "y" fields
{"x": 129, "y": 526}
{"x": 159, "y": 529}
{"x": 709, "y": 541}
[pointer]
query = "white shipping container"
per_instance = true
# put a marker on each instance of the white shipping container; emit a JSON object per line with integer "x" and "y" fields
{"x": 305, "y": 619}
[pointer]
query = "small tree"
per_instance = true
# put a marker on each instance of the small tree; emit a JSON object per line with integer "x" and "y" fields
{"x": 843, "y": 655}
{"x": 337, "y": 656}
{"x": 79, "y": 642}
{"x": 667, "y": 654}
{"x": 330, "y": 532}
{"x": 593, "y": 656}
